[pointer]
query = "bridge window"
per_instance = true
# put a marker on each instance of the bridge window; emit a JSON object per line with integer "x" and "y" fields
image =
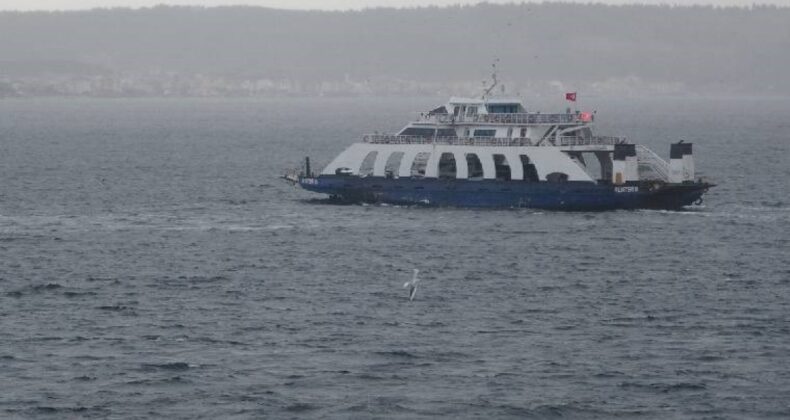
{"x": 502, "y": 108}
{"x": 367, "y": 164}
{"x": 530, "y": 173}
{"x": 446, "y": 132}
{"x": 502, "y": 168}
{"x": 393, "y": 165}
{"x": 474, "y": 166}
{"x": 442, "y": 110}
{"x": 419, "y": 164}
{"x": 418, "y": 131}
{"x": 485, "y": 133}
{"x": 447, "y": 167}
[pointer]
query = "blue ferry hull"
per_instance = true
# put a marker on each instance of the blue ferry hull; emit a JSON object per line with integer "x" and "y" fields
{"x": 572, "y": 196}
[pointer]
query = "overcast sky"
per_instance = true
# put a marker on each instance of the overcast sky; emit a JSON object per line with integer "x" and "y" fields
{"x": 323, "y": 4}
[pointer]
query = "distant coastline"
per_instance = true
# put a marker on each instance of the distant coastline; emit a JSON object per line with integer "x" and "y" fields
{"x": 543, "y": 49}
{"x": 176, "y": 85}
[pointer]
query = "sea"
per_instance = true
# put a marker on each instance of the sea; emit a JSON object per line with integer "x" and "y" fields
{"x": 152, "y": 265}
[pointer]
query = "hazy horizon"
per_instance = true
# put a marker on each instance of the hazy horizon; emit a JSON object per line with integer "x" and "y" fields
{"x": 543, "y": 49}
{"x": 63, "y": 5}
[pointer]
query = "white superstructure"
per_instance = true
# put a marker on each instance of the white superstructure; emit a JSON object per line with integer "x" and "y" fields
{"x": 497, "y": 138}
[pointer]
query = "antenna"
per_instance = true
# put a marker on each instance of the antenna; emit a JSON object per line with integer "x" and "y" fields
{"x": 493, "y": 79}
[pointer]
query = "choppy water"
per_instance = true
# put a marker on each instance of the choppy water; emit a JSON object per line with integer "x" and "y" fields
{"x": 152, "y": 266}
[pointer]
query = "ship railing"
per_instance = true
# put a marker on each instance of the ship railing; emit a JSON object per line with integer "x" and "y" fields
{"x": 591, "y": 141}
{"x": 518, "y": 118}
{"x": 491, "y": 141}
{"x": 446, "y": 140}
{"x": 651, "y": 166}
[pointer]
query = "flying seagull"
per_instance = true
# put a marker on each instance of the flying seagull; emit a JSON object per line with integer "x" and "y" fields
{"x": 412, "y": 285}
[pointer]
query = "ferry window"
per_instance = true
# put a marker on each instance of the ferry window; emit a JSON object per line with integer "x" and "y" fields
{"x": 472, "y": 110}
{"x": 557, "y": 177}
{"x": 418, "y": 131}
{"x": 530, "y": 173}
{"x": 523, "y": 132}
{"x": 455, "y": 111}
{"x": 466, "y": 132}
{"x": 393, "y": 165}
{"x": 475, "y": 167}
{"x": 419, "y": 164}
{"x": 447, "y": 167}
{"x": 502, "y": 168}
{"x": 485, "y": 133}
{"x": 367, "y": 164}
{"x": 445, "y": 132}
{"x": 510, "y": 132}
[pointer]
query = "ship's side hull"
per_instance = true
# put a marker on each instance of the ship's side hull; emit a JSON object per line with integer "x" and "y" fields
{"x": 573, "y": 196}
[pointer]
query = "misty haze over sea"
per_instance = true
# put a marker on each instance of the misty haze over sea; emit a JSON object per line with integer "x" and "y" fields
{"x": 543, "y": 49}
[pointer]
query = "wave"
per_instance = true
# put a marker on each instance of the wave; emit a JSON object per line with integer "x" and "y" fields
{"x": 397, "y": 353}
{"x": 665, "y": 387}
{"x": 34, "y": 289}
{"x": 172, "y": 366}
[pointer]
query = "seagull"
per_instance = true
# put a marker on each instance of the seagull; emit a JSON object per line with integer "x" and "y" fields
{"x": 412, "y": 285}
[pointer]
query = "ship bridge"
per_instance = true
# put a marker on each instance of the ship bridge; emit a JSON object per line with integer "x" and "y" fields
{"x": 467, "y": 118}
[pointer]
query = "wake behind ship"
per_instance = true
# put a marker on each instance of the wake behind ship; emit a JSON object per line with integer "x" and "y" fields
{"x": 492, "y": 152}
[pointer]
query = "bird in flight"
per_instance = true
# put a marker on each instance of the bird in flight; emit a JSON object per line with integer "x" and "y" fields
{"x": 412, "y": 285}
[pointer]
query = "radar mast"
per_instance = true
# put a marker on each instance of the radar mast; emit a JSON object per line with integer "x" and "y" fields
{"x": 493, "y": 80}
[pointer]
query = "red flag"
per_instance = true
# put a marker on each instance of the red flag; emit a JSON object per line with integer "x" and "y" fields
{"x": 570, "y": 96}
{"x": 586, "y": 116}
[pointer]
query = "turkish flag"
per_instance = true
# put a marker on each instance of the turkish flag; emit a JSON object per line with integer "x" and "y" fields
{"x": 570, "y": 96}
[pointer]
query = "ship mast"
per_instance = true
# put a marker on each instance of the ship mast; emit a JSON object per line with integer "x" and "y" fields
{"x": 493, "y": 80}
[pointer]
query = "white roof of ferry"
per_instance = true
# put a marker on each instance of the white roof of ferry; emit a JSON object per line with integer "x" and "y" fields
{"x": 461, "y": 100}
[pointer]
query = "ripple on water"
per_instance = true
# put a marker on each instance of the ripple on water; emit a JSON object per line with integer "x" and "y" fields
{"x": 184, "y": 286}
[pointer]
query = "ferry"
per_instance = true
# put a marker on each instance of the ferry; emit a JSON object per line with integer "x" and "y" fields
{"x": 493, "y": 152}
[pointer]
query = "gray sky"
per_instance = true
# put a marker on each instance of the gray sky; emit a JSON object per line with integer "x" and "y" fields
{"x": 323, "y": 4}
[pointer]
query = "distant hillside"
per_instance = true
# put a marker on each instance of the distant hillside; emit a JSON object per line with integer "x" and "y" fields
{"x": 230, "y": 50}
